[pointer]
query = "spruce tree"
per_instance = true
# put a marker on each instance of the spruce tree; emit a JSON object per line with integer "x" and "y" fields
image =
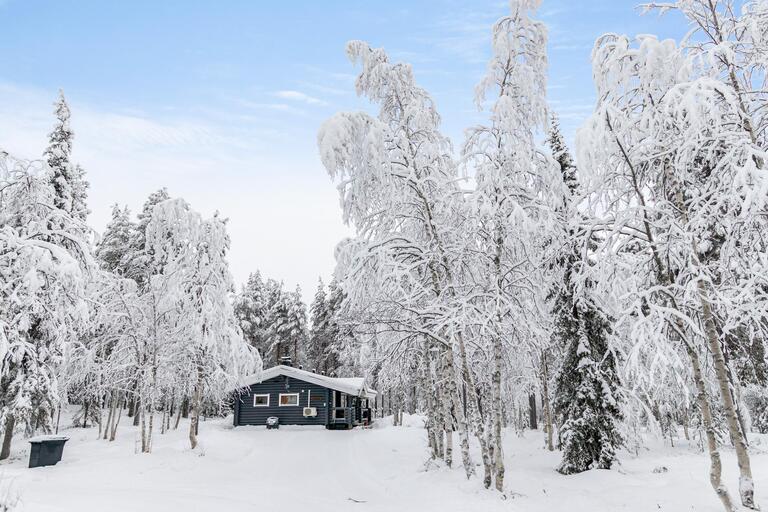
{"x": 251, "y": 312}
{"x": 296, "y": 328}
{"x": 318, "y": 338}
{"x": 114, "y": 245}
{"x": 586, "y": 385}
{"x": 272, "y": 320}
{"x": 586, "y": 395}
{"x": 560, "y": 153}
{"x": 138, "y": 259}
{"x": 288, "y": 327}
{"x": 70, "y": 188}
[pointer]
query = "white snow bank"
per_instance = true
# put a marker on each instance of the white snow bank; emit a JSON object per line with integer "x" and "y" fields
{"x": 409, "y": 420}
{"x": 364, "y": 470}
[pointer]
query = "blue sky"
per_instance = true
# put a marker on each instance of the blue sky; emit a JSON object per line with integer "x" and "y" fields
{"x": 220, "y": 101}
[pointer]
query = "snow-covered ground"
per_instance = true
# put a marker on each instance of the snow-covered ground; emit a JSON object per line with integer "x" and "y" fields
{"x": 380, "y": 469}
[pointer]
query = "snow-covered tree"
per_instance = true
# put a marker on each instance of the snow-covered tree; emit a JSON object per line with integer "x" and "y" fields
{"x": 70, "y": 187}
{"x": 114, "y": 245}
{"x": 137, "y": 261}
{"x": 518, "y": 190}
{"x": 319, "y": 336}
{"x": 586, "y": 393}
{"x": 251, "y": 309}
{"x": 209, "y": 351}
{"x": 42, "y": 262}
{"x": 680, "y": 200}
{"x": 273, "y": 320}
{"x": 402, "y": 273}
{"x": 333, "y": 347}
{"x": 559, "y": 150}
{"x": 287, "y": 327}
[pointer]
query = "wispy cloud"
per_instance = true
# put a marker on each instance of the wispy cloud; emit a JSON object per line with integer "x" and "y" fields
{"x": 279, "y": 107}
{"x": 464, "y": 32}
{"x": 301, "y": 97}
{"x": 335, "y": 91}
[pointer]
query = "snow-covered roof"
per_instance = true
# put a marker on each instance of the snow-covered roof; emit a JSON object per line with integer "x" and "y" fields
{"x": 351, "y": 385}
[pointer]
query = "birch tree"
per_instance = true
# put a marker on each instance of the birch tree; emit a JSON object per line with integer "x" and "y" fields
{"x": 192, "y": 254}
{"x": 397, "y": 187}
{"x": 680, "y": 198}
{"x": 517, "y": 191}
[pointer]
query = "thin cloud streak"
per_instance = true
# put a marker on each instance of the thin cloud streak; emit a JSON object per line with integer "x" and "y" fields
{"x": 301, "y": 97}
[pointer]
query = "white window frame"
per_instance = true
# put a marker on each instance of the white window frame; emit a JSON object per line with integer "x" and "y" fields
{"x": 261, "y": 394}
{"x": 280, "y": 400}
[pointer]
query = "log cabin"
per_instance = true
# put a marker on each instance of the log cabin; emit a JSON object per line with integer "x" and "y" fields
{"x": 300, "y": 397}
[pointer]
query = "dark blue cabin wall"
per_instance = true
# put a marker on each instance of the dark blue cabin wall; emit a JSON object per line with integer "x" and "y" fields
{"x": 247, "y": 414}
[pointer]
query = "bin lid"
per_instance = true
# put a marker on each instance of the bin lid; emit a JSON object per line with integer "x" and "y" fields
{"x": 43, "y": 439}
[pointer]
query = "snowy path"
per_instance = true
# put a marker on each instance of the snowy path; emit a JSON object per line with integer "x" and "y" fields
{"x": 375, "y": 470}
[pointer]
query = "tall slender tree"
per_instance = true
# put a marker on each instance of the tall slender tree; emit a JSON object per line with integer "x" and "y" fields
{"x": 517, "y": 192}
{"x": 398, "y": 188}
{"x": 68, "y": 180}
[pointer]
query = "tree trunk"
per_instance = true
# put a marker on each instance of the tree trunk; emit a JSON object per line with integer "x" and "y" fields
{"x": 144, "y": 440}
{"x": 461, "y": 419}
{"x": 448, "y": 444}
{"x": 474, "y": 413}
{"x": 171, "y": 412}
{"x": 109, "y": 417}
{"x": 497, "y": 419}
{"x": 532, "y": 420}
{"x": 137, "y": 411}
{"x": 746, "y": 484}
{"x": 178, "y": 418}
{"x": 185, "y": 408}
{"x": 162, "y": 419}
{"x": 545, "y": 400}
{"x": 115, "y": 423}
{"x": 194, "y": 410}
{"x": 448, "y": 405}
{"x": 10, "y": 424}
{"x": 151, "y": 424}
{"x": 715, "y": 471}
{"x": 433, "y": 412}
{"x": 735, "y": 387}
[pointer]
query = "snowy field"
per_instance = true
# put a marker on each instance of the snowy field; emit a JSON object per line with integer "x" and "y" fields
{"x": 380, "y": 469}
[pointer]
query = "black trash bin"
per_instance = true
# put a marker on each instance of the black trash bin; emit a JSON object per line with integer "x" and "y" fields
{"x": 273, "y": 422}
{"x": 46, "y": 450}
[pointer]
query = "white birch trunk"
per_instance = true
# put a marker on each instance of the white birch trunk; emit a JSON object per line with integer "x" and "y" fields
{"x": 746, "y": 484}
{"x": 194, "y": 410}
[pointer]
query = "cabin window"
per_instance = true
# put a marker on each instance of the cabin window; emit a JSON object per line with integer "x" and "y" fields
{"x": 261, "y": 400}
{"x": 289, "y": 399}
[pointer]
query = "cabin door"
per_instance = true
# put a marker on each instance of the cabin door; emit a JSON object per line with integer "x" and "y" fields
{"x": 339, "y": 403}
